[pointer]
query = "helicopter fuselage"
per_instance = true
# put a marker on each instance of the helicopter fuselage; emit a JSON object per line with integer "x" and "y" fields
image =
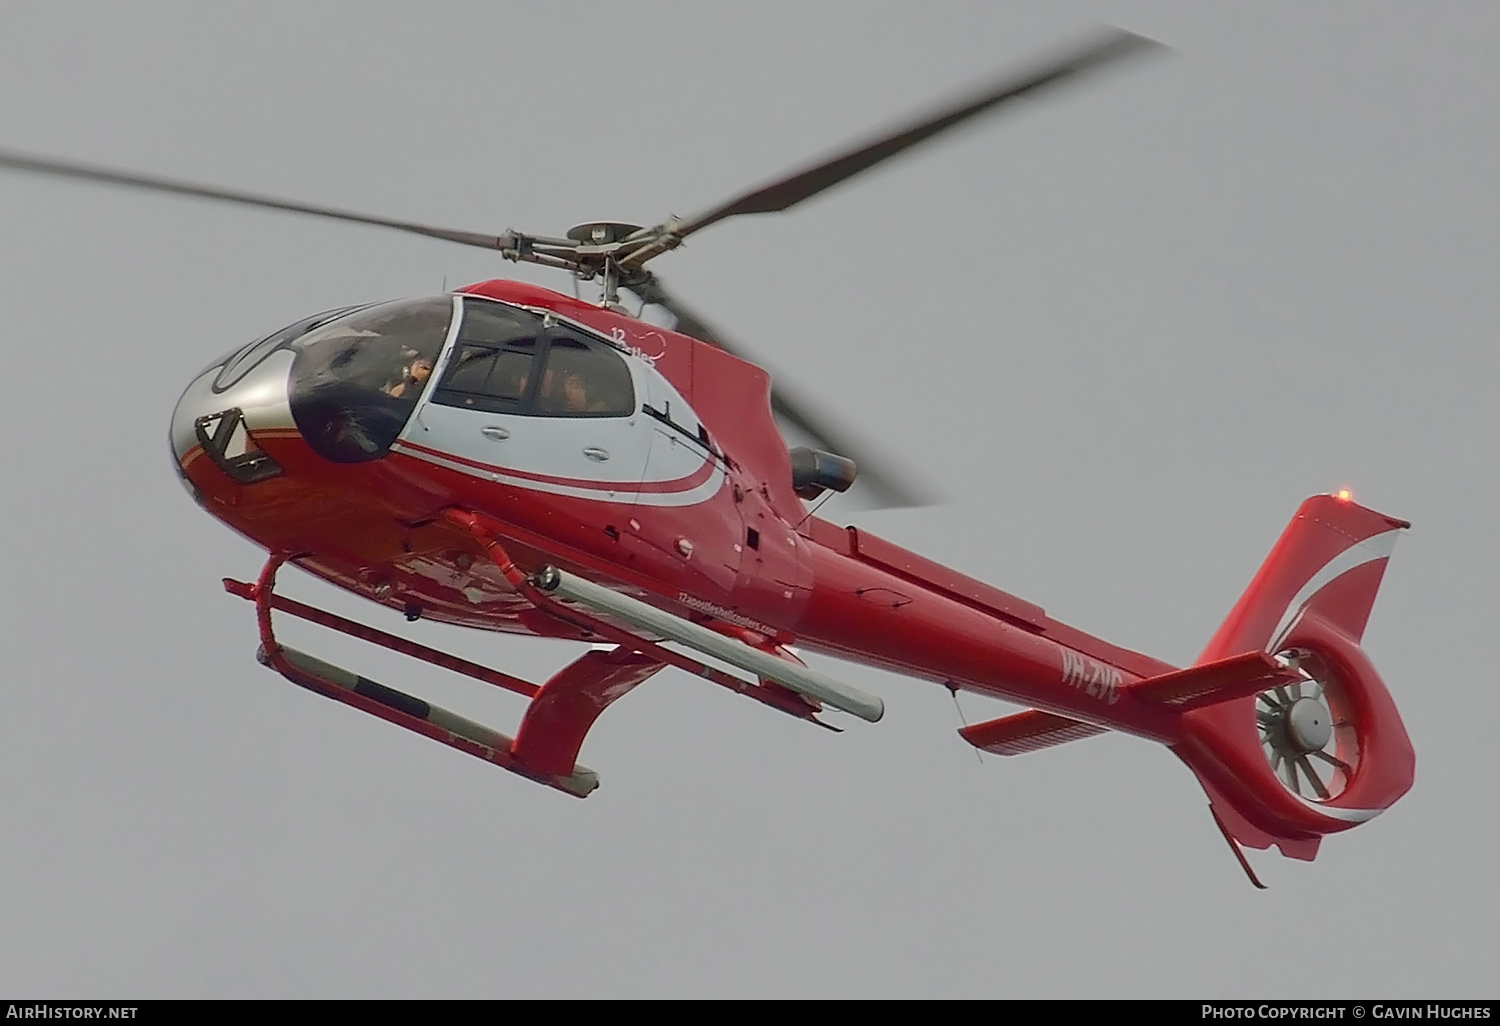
{"x": 683, "y": 498}
{"x": 648, "y": 462}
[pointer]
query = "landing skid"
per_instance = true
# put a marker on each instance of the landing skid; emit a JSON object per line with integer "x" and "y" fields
{"x": 560, "y": 712}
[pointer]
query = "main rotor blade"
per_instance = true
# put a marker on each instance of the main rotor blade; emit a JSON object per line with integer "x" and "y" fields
{"x": 778, "y": 195}
{"x": 888, "y": 487}
{"x": 42, "y": 165}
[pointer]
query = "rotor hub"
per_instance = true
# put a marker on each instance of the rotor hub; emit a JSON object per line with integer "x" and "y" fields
{"x": 1308, "y": 725}
{"x": 602, "y": 233}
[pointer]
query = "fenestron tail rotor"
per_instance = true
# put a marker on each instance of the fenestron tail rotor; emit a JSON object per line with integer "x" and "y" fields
{"x": 1307, "y": 733}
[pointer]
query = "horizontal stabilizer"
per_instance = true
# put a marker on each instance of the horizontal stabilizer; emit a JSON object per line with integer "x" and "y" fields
{"x": 1026, "y": 731}
{"x": 1224, "y": 680}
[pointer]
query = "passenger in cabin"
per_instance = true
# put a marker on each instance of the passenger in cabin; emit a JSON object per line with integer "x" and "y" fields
{"x": 567, "y": 392}
{"x": 512, "y": 376}
{"x": 576, "y": 395}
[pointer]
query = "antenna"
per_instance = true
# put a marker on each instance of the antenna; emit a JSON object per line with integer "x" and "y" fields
{"x": 953, "y": 690}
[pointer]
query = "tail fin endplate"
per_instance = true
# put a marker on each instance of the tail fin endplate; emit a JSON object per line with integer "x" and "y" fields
{"x": 1329, "y": 561}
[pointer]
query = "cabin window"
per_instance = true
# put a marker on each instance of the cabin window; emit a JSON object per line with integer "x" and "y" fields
{"x": 506, "y": 361}
{"x": 584, "y": 379}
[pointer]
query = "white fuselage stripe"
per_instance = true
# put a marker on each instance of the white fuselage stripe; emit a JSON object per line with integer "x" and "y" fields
{"x": 689, "y": 497}
{"x": 1342, "y": 815}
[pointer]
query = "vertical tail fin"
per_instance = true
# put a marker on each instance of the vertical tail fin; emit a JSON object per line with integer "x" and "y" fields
{"x": 1328, "y": 561}
{"x": 1297, "y": 762}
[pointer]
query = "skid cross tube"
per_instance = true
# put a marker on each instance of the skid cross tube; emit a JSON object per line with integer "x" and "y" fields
{"x": 378, "y": 637}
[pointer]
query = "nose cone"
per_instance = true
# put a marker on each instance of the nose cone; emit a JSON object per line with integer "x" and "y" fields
{"x": 344, "y": 382}
{"x": 221, "y": 410}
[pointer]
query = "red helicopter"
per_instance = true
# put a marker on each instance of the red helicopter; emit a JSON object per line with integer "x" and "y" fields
{"x": 513, "y": 459}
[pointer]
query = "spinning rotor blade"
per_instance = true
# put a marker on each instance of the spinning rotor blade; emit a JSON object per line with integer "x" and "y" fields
{"x": 888, "y": 487}
{"x": 793, "y": 189}
{"x": 22, "y": 162}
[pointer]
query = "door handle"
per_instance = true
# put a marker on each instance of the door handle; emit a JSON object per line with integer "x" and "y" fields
{"x": 596, "y": 454}
{"x": 494, "y": 432}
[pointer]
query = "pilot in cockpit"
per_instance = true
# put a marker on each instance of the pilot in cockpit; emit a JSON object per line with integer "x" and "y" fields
{"x": 412, "y": 377}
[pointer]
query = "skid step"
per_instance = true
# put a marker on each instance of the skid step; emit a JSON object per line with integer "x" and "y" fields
{"x": 417, "y": 715}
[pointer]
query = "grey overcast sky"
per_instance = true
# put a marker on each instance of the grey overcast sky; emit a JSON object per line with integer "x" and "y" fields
{"x": 1123, "y": 330}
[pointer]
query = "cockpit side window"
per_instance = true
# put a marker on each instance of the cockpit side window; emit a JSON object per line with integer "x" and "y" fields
{"x": 491, "y": 378}
{"x": 490, "y": 368}
{"x": 469, "y": 369}
{"x": 495, "y": 324}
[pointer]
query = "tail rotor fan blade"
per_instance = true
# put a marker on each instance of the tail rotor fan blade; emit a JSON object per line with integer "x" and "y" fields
{"x": 1312, "y": 777}
{"x": 1291, "y": 750}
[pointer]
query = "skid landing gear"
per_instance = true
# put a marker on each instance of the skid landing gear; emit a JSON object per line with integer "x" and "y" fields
{"x": 547, "y": 756}
{"x": 561, "y": 711}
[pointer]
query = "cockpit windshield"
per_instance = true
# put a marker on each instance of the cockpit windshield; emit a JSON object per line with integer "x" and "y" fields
{"x": 247, "y": 358}
{"x": 356, "y": 380}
